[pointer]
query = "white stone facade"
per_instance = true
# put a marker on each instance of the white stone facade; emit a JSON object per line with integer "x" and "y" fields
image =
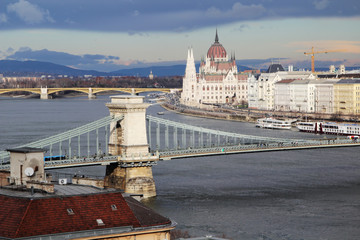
{"x": 262, "y": 92}
{"x": 218, "y": 81}
{"x": 304, "y": 96}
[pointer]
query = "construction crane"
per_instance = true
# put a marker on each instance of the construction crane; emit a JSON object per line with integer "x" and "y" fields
{"x": 312, "y": 53}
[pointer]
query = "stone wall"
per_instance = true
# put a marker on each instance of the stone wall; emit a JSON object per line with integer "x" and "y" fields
{"x": 99, "y": 183}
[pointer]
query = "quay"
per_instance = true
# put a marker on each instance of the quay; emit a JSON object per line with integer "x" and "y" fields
{"x": 250, "y": 115}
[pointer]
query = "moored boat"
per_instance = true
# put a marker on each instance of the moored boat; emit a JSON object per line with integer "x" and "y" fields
{"x": 329, "y": 128}
{"x": 273, "y": 123}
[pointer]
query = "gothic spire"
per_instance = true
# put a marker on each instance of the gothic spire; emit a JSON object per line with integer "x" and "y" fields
{"x": 216, "y": 37}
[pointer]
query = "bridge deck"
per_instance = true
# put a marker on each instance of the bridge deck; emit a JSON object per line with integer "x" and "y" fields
{"x": 201, "y": 152}
{"x": 247, "y": 149}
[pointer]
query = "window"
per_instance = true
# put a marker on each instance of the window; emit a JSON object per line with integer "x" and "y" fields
{"x": 100, "y": 222}
{"x": 70, "y": 211}
{"x": 113, "y": 207}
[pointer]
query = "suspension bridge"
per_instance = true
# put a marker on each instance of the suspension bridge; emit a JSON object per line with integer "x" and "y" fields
{"x": 88, "y": 144}
{"x": 128, "y": 139}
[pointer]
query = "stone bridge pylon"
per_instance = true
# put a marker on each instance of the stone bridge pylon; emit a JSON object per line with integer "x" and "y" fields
{"x": 133, "y": 171}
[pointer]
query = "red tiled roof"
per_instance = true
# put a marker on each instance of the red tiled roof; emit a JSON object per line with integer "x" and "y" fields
{"x": 216, "y": 51}
{"x": 210, "y": 78}
{"x": 24, "y": 217}
{"x": 242, "y": 77}
{"x": 146, "y": 216}
{"x": 286, "y": 81}
{"x": 224, "y": 66}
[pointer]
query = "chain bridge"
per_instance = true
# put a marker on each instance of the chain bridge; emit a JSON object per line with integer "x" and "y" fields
{"x": 88, "y": 144}
{"x": 129, "y": 143}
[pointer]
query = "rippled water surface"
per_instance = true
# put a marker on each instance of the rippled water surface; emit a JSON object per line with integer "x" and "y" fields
{"x": 304, "y": 194}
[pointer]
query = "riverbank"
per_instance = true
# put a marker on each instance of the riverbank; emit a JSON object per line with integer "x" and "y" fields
{"x": 251, "y": 115}
{"x": 224, "y": 114}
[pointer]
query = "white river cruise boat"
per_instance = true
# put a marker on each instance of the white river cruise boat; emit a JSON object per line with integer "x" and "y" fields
{"x": 273, "y": 123}
{"x": 329, "y": 128}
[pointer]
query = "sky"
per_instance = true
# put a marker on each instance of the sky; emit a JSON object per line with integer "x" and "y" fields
{"x": 108, "y": 35}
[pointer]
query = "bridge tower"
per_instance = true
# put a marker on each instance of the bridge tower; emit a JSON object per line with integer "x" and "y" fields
{"x": 128, "y": 140}
{"x": 91, "y": 95}
{"x": 44, "y": 93}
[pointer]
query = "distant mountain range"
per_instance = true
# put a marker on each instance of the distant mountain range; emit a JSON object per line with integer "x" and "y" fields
{"x": 36, "y": 68}
{"x": 11, "y": 67}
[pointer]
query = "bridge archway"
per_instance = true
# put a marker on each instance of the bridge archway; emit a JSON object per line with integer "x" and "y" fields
{"x": 25, "y": 90}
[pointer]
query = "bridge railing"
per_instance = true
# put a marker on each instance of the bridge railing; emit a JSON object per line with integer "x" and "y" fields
{"x": 85, "y": 141}
{"x": 169, "y": 135}
{"x": 254, "y": 147}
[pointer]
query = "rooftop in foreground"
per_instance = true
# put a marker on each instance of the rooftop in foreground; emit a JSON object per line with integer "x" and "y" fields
{"x": 74, "y": 211}
{"x": 60, "y": 190}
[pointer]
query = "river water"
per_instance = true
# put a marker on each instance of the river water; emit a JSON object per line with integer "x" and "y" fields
{"x": 305, "y": 194}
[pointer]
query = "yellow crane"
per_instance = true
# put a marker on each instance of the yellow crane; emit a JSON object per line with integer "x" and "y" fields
{"x": 312, "y": 53}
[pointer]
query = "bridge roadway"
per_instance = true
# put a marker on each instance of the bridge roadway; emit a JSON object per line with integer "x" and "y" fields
{"x": 199, "y": 152}
{"x": 87, "y": 90}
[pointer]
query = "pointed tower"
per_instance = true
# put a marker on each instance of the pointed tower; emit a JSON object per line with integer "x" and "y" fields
{"x": 189, "y": 81}
{"x": 190, "y": 71}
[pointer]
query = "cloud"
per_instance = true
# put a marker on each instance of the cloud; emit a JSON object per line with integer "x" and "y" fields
{"x": 3, "y": 18}
{"x": 24, "y": 49}
{"x": 238, "y": 11}
{"x": 352, "y": 47}
{"x": 29, "y": 13}
{"x": 242, "y": 27}
{"x": 87, "y": 61}
{"x": 136, "y": 13}
{"x": 321, "y": 4}
{"x": 160, "y": 15}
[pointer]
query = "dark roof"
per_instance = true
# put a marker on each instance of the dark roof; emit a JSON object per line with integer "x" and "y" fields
{"x": 350, "y": 80}
{"x": 286, "y": 81}
{"x": 25, "y": 217}
{"x": 146, "y": 216}
{"x": 60, "y": 191}
{"x": 273, "y": 68}
{"x": 25, "y": 150}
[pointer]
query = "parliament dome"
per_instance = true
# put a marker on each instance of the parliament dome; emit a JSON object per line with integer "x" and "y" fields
{"x": 216, "y": 50}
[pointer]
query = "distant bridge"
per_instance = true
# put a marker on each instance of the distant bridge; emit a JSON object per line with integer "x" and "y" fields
{"x": 44, "y": 92}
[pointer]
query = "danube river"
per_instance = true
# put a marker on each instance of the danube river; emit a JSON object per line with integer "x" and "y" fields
{"x": 305, "y": 194}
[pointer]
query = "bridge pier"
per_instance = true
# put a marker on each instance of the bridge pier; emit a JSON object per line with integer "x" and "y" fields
{"x": 91, "y": 95}
{"x": 133, "y": 172}
{"x": 44, "y": 93}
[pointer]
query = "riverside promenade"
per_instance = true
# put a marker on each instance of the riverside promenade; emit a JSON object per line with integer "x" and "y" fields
{"x": 250, "y": 115}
